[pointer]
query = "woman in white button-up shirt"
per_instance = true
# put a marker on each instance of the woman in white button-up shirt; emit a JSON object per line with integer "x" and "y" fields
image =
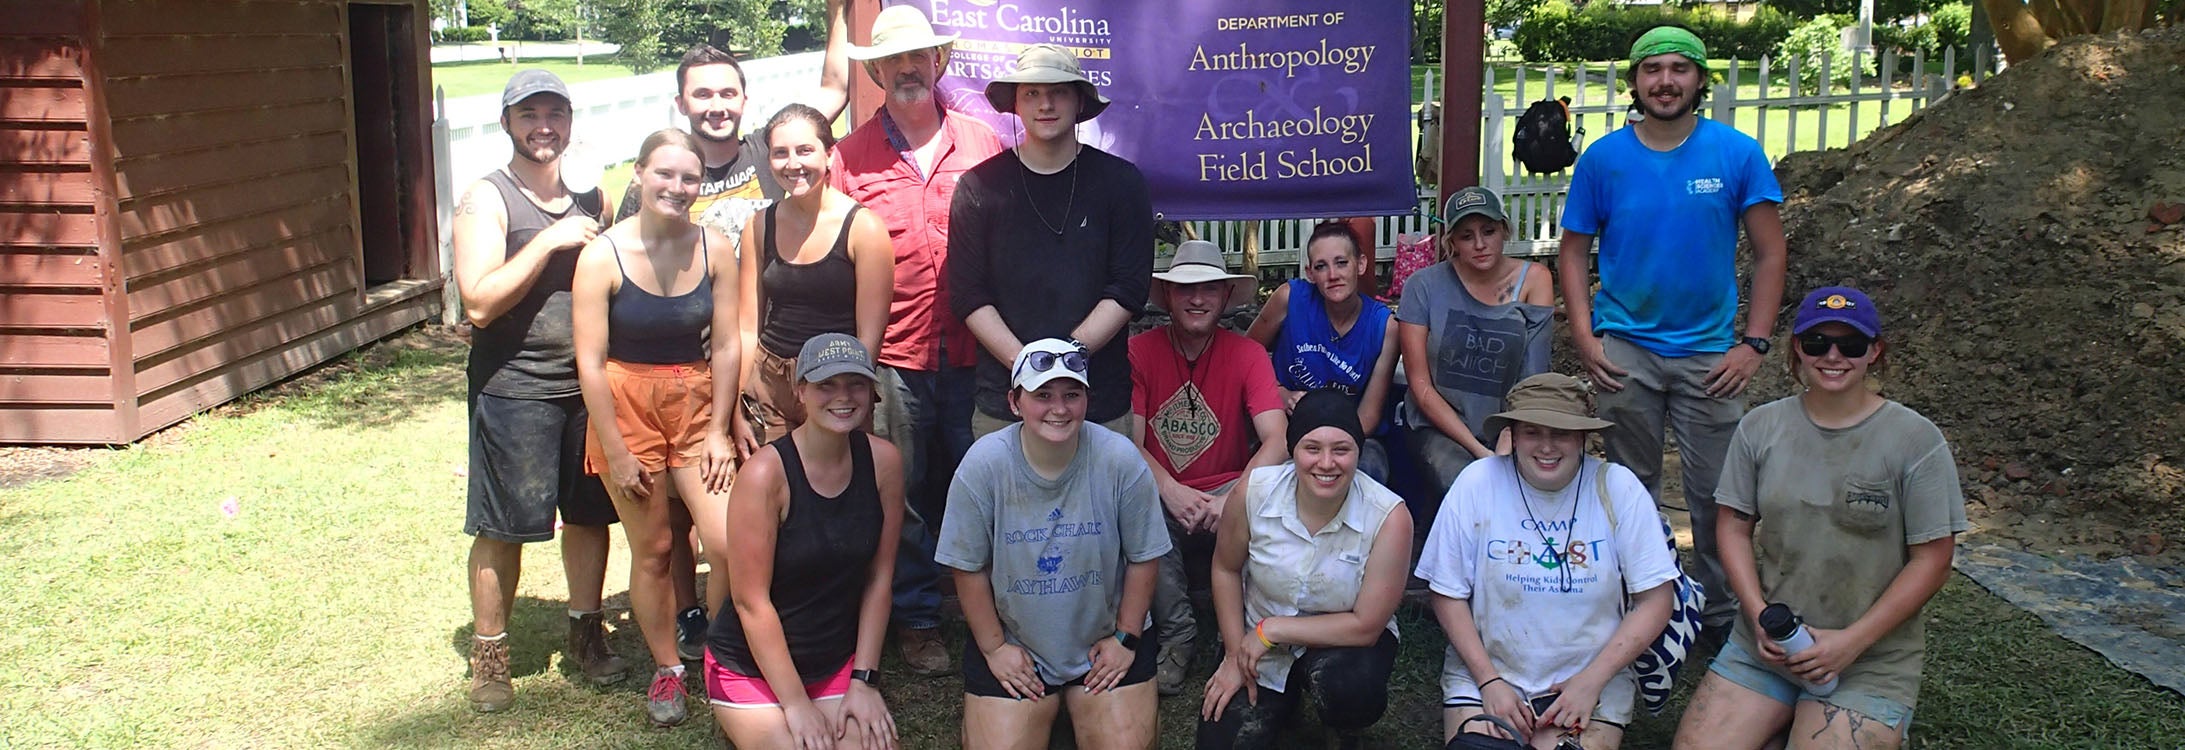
{"x": 1308, "y": 569}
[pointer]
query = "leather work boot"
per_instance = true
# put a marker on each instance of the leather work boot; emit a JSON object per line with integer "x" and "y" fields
{"x": 490, "y": 690}
{"x": 923, "y": 651}
{"x": 588, "y": 648}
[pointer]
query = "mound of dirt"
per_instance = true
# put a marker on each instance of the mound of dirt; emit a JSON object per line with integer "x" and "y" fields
{"x": 2034, "y": 309}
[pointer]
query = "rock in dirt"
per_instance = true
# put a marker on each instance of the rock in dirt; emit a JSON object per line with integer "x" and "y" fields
{"x": 2026, "y": 310}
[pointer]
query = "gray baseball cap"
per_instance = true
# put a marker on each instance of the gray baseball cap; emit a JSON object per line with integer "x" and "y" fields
{"x": 528, "y": 82}
{"x": 830, "y": 354}
{"x": 1470, "y": 201}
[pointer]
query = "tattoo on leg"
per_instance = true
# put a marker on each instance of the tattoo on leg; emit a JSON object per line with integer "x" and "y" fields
{"x": 1854, "y": 723}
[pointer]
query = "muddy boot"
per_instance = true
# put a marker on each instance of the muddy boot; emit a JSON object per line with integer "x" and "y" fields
{"x": 588, "y": 648}
{"x": 490, "y": 690}
{"x": 1173, "y": 667}
{"x": 923, "y": 651}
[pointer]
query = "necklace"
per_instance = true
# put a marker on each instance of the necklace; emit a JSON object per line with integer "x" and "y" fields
{"x": 1191, "y": 365}
{"x": 1066, "y": 206}
{"x": 1549, "y": 554}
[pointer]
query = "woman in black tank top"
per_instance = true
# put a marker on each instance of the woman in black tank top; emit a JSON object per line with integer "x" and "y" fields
{"x": 813, "y": 524}
{"x": 645, "y": 294}
{"x": 813, "y": 263}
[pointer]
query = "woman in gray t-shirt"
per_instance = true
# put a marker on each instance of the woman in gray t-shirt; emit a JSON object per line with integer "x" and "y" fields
{"x": 1055, "y": 532}
{"x": 1844, "y": 506}
{"x": 1469, "y": 328}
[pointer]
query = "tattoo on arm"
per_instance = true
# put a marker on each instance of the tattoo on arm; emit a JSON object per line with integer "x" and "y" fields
{"x": 1741, "y": 515}
{"x": 467, "y": 207}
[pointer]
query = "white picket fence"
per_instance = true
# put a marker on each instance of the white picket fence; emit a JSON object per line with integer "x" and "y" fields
{"x": 1535, "y": 202}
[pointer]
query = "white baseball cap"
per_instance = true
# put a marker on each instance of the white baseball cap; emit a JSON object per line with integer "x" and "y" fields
{"x": 1046, "y": 359}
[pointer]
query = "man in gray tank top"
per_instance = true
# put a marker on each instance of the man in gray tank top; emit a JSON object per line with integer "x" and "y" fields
{"x": 517, "y": 233}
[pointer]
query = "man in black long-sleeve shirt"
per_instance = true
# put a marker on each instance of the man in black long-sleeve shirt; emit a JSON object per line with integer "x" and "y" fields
{"x": 1050, "y": 239}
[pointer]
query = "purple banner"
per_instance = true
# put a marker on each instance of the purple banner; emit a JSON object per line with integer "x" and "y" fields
{"x": 1234, "y": 109}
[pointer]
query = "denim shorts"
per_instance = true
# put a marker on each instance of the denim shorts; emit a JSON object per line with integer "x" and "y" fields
{"x": 1740, "y": 666}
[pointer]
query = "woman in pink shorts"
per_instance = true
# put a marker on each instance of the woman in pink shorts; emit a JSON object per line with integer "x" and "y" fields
{"x": 813, "y": 521}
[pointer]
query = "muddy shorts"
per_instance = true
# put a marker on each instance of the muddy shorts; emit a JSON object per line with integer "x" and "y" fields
{"x": 770, "y": 398}
{"x": 662, "y": 411}
{"x": 526, "y": 464}
{"x": 979, "y": 679}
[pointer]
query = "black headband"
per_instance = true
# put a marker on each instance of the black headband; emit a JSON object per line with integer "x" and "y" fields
{"x": 1325, "y": 408}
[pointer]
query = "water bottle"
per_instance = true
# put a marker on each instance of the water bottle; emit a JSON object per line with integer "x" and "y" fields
{"x": 1789, "y": 631}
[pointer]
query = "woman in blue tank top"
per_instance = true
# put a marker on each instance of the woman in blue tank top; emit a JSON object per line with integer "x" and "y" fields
{"x": 1326, "y": 332}
{"x": 645, "y": 294}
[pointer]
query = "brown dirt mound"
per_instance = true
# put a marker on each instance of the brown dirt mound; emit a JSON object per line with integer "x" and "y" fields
{"x": 2035, "y": 310}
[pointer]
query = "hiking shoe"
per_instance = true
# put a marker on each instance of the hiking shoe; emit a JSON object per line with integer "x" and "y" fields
{"x": 665, "y": 701}
{"x": 1175, "y": 664}
{"x": 923, "y": 651}
{"x": 490, "y": 690}
{"x": 690, "y": 634}
{"x": 588, "y": 648}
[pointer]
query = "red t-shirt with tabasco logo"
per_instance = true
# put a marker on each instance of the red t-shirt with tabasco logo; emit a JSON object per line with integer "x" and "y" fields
{"x": 1198, "y": 413}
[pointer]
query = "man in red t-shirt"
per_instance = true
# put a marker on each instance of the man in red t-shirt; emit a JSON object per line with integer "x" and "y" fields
{"x": 903, "y": 164}
{"x": 1206, "y": 411}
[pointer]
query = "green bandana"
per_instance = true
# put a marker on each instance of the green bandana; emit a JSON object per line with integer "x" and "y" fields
{"x": 1662, "y": 40}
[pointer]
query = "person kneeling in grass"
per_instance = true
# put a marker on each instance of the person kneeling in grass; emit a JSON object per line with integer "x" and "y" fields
{"x": 1308, "y": 568}
{"x": 1546, "y": 599}
{"x": 1055, "y": 532}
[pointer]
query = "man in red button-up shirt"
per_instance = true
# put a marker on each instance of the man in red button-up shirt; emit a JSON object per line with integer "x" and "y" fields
{"x": 903, "y": 165}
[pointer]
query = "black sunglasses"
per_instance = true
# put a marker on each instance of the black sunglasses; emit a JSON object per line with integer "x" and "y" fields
{"x": 1816, "y": 344}
{"x": 1044, "y": 361}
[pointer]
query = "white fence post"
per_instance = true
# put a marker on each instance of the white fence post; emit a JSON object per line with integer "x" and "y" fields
{"x": 443, "y": 180}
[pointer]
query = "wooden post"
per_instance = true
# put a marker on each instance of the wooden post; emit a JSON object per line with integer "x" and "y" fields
{"x": 866, "y": 98}
{"x": 1464, "y": 57}
{"x": 1251, "y": 249}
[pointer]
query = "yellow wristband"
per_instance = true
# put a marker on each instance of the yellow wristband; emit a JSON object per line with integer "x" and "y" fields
{"x": 1261, "y": 631}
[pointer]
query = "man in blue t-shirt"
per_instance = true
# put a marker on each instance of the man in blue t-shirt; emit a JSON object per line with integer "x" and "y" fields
{"x": 1665, "y": 197}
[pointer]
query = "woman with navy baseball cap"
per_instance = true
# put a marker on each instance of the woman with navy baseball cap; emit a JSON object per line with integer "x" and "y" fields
{"x": 1845, "y": 507}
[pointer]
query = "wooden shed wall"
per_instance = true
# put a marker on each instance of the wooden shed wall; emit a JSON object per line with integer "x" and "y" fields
{"x": 232, "y": 149}
{"x": 57, "y": 293}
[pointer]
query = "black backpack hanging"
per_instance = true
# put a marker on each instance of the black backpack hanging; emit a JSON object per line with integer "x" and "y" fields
{"x": 1543, "y": 138}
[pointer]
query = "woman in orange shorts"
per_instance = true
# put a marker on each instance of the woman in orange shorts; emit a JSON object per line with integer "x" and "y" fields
{"x": 645, "y": 295}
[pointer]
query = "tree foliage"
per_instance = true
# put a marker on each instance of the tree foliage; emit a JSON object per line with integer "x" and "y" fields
{"x": 654, "y": 33}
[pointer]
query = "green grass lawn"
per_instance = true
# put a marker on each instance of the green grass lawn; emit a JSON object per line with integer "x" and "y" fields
{"x": 487, "y": 77}
{"x": 329, "y": 609}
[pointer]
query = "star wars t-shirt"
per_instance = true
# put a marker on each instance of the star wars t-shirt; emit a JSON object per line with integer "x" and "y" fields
{"x": 730, "y": 193}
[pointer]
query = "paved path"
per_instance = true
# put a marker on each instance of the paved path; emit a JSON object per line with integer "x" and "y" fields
{"x": 445, "y": 53}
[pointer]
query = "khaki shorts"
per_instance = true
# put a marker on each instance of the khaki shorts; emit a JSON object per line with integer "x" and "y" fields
{"x": 662, "y": 411}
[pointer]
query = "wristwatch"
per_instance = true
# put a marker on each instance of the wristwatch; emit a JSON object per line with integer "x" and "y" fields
{"x": 867, "y": 676}
{"x": 1757, "y": 343}
{"x": 1129, "y": 641}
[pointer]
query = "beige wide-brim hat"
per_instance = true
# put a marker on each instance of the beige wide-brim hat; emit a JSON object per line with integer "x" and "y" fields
{"x": 1045, "y": 63}
{"x": 1199, "y": 262}
{"x": 899, "y": 29}
{"x": 1550, "y": 400}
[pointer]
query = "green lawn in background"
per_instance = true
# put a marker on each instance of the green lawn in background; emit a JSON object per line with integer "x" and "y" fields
{"x": 488, "y": 77}
{"x": 329, "y": 610}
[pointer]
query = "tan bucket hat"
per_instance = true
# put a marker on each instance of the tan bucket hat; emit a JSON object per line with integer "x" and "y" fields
{"x": 1199, "y": 262}
{"x": 1044, "y": 63}
{"x": 1548, "y": 399}
{"x": 899, "y": 29}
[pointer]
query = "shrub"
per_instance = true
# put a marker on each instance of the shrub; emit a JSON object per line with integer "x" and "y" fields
{"x": 464, "y": 34}
{"x": 1558, "y": 32}
{"x": 1811, "y": 43}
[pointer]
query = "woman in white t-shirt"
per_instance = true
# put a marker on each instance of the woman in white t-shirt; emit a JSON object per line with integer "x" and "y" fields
{"x": 1546, "y": 597}
{"x": 1308, "y": 568}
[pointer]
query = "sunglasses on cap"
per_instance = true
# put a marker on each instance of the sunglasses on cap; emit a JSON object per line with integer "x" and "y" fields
{"x": 1073, "y": 361}
{"x": 1816, "y": 344}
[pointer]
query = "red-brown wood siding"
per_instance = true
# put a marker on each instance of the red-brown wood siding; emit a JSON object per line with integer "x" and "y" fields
{"x": 56, "y": 362}
{"x": 233, "y": 163}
